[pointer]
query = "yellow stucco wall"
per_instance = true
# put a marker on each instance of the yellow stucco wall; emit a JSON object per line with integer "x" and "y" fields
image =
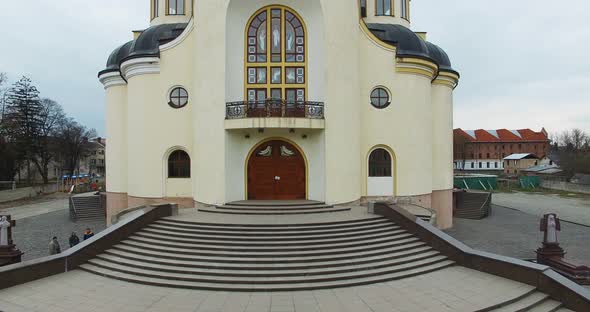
{"x": 344, "y": 66}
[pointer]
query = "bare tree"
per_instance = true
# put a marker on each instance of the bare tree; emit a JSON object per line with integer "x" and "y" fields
{"x": 45, "y": 146}
{"x": 73, "y": 141}
{"x": 578, "y": 138}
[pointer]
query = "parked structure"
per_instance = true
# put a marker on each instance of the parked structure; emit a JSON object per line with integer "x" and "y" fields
{"x": 232, "y": 107}
{"x": 515, "y": 163}
{"x": 484, "y": 150}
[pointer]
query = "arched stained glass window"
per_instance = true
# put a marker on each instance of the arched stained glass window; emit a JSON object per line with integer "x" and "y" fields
{"x": 380, "y": 163}
{"x": 276, "y": 60}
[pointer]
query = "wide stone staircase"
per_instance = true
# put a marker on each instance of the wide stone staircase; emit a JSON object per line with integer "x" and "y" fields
{"x": 274, "y": 208}
{"x": 86, "y": 207}
{"x": 473, "y": 205}
{"x": 533, "y": 301}
{"x": 268, "y": 257}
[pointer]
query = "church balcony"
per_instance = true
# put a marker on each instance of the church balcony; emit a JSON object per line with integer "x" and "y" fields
{"x": 274, "y": 113}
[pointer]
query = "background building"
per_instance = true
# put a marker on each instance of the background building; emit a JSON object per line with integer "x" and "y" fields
{"x": 484, "y": 150}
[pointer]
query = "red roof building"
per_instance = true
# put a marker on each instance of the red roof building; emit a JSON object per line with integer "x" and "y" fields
{"x": 484, "y": 149}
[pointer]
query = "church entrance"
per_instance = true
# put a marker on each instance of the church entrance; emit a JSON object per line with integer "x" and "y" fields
{"x": 276, "y": 171}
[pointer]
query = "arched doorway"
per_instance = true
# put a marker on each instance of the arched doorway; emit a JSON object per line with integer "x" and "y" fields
{"x": 276, "y": 171}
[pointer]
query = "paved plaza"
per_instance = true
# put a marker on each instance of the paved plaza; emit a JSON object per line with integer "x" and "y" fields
{"x": 452, "y": 289}
{"x": 575, "y": 208}
{"x": 38, "y": 222}
{"x": 516, "y": 234}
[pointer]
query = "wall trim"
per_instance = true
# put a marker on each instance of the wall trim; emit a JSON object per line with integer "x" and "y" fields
{"x": 140, "y": 66}
{"x": 112, "y": 79}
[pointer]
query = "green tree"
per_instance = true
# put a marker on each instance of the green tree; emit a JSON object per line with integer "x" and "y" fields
{"x": 22, "y": 119}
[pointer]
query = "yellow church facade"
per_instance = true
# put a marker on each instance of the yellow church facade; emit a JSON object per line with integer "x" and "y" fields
{"x": 324, "y": 100}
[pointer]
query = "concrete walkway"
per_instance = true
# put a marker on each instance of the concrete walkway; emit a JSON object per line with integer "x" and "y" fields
{"x": 452, "y": 289}
{"x": 570, "y": 209}
{"x": 36, "y": 208}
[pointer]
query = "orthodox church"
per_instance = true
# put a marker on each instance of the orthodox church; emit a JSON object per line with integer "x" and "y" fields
{"x": 331, "y": 101}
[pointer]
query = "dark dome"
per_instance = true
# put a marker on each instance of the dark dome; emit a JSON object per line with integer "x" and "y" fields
{"x": 116, "y": 57}
{"x": 440, "y": 56}
{"x": 410, "y": 44}
{"x": 147, "y": 44}
{"x": 405, "y": 40}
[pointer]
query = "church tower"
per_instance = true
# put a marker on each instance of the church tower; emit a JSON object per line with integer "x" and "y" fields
{"x": 170, "y": 11}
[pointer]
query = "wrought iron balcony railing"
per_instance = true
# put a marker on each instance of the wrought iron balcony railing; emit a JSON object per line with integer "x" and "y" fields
{"x": 274, "y": 108}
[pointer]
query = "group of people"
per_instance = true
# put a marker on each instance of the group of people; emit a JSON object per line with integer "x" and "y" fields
{"x": 55, "y": 248}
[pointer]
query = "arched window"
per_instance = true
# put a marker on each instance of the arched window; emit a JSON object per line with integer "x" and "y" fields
{"x": 179, "y": 165}
{"x": 383, "y": 7}
{"x": 276, "y": 60}
{"x": 380, "y": 163}
{"x": 176, "y": 7}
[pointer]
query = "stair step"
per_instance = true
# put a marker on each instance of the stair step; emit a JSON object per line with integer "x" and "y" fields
{"x": 277, "y": 285}
{"x": 276, "y": 248}
{"x": 267, "y": 254}
{"x": 126, "y": 265}
{"x": 196, "y": 263}
{"x": 272, "y": 203}
{"x": 253, "y": 259}
{"x": 525, "y": 303}
{"x": 275, "y": 212}
{"x": 237, "y": 237}
{"x": 269, "y": 242}
{"x": 274, "y": 227}
{"x": 273, "y": 208}
{"x": 285, "y": 232}
{"x": 548, "y": 305}
{"x": 289, "y": 225}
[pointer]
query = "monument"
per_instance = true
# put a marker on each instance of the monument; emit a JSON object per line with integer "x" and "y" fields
{"x": 551, "y": 254}
{"x": 8, "y": 252}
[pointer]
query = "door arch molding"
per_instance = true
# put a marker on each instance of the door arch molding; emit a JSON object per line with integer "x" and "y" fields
{"x": 266, "y": 140}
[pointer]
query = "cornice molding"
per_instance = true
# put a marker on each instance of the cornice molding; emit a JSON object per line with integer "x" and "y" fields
{"x": 140, "y": 66}
{"x": 112, "y": 79}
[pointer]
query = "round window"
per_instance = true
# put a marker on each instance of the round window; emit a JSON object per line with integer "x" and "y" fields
{"x": 178, "y": 97}
{"x": 380, "y": 98}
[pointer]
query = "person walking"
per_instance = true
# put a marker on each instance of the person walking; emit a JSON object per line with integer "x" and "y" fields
{"x": 74, "y": 240}
{"x": 88, "y": 234}
{"x": 54, "y": 247}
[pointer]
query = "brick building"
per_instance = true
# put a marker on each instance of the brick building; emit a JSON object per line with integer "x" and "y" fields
{"x": 484, "y": 150}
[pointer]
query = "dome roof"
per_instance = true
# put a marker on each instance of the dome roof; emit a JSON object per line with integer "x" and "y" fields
{"x": 407, "y": 43}
{"x": 116, "y": 57}
{"x": 440, "y": 56}
{"x": 146, "y": 45}
{"x": 405, "y": 40}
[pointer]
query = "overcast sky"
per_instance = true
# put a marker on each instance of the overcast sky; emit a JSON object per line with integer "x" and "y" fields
{"x": 523, "y": 63}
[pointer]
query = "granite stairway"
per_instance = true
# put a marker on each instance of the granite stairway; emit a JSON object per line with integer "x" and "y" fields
{"x": 86, "y": 207}
{"x": 268, "y": 257}
{"x": 274, "y": 208}
{"x": 533, "y": 301}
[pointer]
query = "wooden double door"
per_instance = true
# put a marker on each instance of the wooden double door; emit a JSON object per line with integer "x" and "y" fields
{"x": 276, "y": 171}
